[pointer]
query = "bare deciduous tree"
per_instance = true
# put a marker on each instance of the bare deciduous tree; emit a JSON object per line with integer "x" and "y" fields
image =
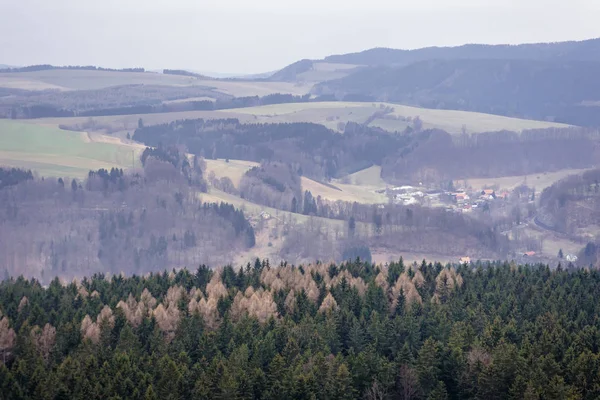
{"x": 376, "y": 392}
{"x": 7, "y": 339}
{"x": 409, "y": 383}
{"x": 44, "y": 340}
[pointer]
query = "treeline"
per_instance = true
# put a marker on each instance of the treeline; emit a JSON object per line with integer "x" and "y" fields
{"x": 413, "y": 156}
{"x": 183, "y": 72}
{"x": 13, "y": 176}
{"x": 275, "y": 185}
{"x": 323, "y": 331}
{"x": 441, "y": 157}
{"x": 130, "y": 99}
{"x": 413, "y": 228}
{"x": 319, "y": 152}
{"x": 47, "y": 67}
{"x": 145, "y": 221}
{"x": 114, "y": 100}
{"x": 199, "y": 105}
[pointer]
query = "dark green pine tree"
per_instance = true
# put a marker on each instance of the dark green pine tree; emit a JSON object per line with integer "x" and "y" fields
{"x": 439, "y": 392}
{"x": 428, "y": 366}
{"x": 168, "y": 379}
{"x": 400, "y": 304}
{"x": 150, "y": 395}
{"x": 343, "y": 389}
{"x": 275, "y": 388}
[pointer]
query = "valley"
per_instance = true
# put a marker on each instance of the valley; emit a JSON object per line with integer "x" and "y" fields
{"x": 349, "y": 153}
{"x": 373, "y": 223}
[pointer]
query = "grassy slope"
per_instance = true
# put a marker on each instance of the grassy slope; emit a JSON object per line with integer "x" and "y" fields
{"x": 321, "y": 72}
{"x": 331, "y": 114}
{"x": 449, "y": 120}
{"x": 453, "y": 121}
{"x": 82, "y": 80}
{"x": 361, "y": 192}
{"x": 54, "y": 152}
{"x": 369, "y": 177}
{"x": 538, "y": 181}
{"x": 234, "y": 169}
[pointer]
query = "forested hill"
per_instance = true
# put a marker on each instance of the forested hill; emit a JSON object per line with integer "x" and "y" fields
{"x": 547, "y": 90}
{"x": 320, "y": 331}
{"x": 586, "y": 50}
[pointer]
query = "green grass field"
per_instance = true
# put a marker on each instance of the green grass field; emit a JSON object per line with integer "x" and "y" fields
{"x": 54, "y": 152}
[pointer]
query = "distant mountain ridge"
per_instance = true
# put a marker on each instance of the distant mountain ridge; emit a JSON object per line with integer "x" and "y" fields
{"x": 586, "y": 50}
{"x": 545, "y": 90}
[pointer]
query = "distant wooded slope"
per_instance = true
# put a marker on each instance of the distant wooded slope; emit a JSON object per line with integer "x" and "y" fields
{"x": 550, "y": 90}
{"x": 586, "y": 50}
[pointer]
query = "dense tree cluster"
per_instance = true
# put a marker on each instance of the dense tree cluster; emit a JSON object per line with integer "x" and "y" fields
{"x": 126, "y": 100}
{"x": 323, "y": 331}
{"x": 13, "y": 176}
{"x": 273, "y": 184}
{"x": 440, "y": 157}
{"x": 318, "y": 151}
{"x": 114, "y": 100}
{"x": 413, "y": 156}
{"x": 145, "y": 221}
{"x": 572, "y": 203}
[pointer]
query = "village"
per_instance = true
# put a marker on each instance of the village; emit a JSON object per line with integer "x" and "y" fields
{"x": 485, "y": 203}
{"x": 460, "y": 201}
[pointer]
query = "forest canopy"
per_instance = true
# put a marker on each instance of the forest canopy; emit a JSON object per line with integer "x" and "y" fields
{"x": 353, "y": 330}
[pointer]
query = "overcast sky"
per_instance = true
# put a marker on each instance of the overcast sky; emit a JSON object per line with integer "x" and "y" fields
{"x": 250, "y": 36}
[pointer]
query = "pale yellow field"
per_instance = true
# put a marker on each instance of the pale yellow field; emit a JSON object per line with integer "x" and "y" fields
{"x": 241, "y": 89}
{"x": 368, "y": 177}
{"x": 452, "y": 121}
{"x": 449, "y": 120}
{"x": 351, "y": 193}
{"x": 16, "y": 82}
{"x": 84, "y": 80}
{"x": 538, "y": 181}
{"x": 234, "y": 169}
{"x": 330, "y": 114}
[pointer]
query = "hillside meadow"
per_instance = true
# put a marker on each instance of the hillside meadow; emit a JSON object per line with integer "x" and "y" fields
{"x": 58, "y": 153}
{"x": 333, "y": 115}
{"x": 65, "y": 79}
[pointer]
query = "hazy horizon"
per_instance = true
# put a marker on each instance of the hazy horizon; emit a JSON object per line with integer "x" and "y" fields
{"x": 234, "y": 37}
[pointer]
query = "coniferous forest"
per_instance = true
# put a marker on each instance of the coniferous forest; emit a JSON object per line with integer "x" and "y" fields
{"x": 322, "y": 331}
